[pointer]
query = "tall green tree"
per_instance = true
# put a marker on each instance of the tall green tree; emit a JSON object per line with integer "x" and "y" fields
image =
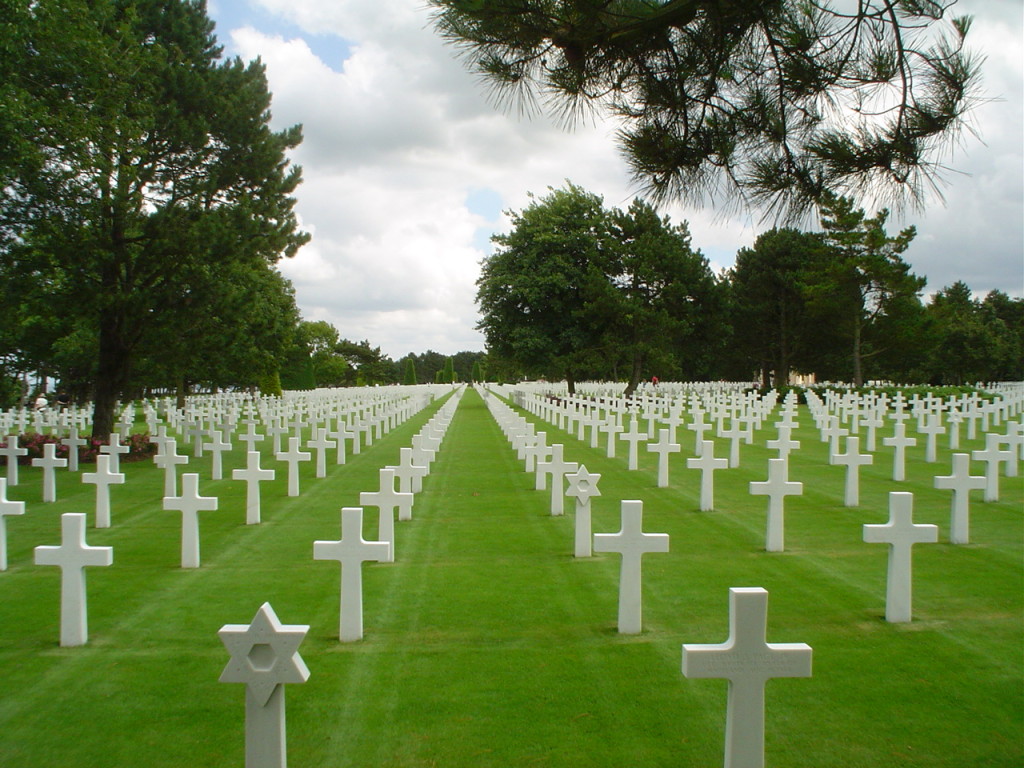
{"x": 770, "y": 318}
{"x": 975, "y": 341}
{"x": 143, "y": 165}
{"x": 661, "y": 290}
{"x": 410, "y": 372}
{"x": 367, "y": 364}
{"x": 1005, "y": 316}
{"x": 538, "y": 290}
{"x": 862, "y": 278}
{"x": 771, "y": 102}
{"x": 449, "y": 376}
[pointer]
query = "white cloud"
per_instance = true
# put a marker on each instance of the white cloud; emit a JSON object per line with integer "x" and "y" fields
{"x": 402, "y": 143}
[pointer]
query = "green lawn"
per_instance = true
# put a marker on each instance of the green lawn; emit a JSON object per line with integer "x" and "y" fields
{"x": 488, "y": 644}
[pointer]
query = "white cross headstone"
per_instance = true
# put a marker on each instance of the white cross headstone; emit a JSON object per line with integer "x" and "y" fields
{"x": 747, "y": 661}
{"x": 253, "y": 475}
{"x": 582, "y": 487}
{"x": 612, "y": 428}
{"x": 900, "y": 442}
{"x": 276, "y": 430}
{"x": 633, "y": 437}
{"x": 707, "y": 464}
{"x": 73, "y": 442}
{"x": 12, "y": 451}
{"x": 167, "y": 461}
{"x": 961, "y": 482}
{"x": 784, "y": 443}
{"x": 103, "y": 478}
{"x": 386, "y": 499}
{"x": 72, "y": 557}
{"x": 217, "y": 445}
{"x": 351, "y": 550}
{"x": 992, "y": 456}
{"x": 264, "y": 656}
{"x": 7, "y": 507}
{"x": 49, "y": 463}
{"x": 190, "y": 504}
{"x": 115, "y": 450}
{"x": 831, "y": 433}
{"x": 734, "y": 433}
{"x": 632, "y": 543}
{"x": 339, "y": 436}
{"x": 663, "y": 447}
{"x": 292, "y": 457}
{"x": 853, "y": 460}
{"x": 931, "y": 429}
{"x": 536, "y": 450}
{"x": 410, "y": 475}
{"x": 250, "y": 437}
{"x": 558, "y": 468}
{"x": 900, "y": 533}
{"x": 698, "y": 426}
{"x": 776, "y": 488}
{"x": 320, "y": 444}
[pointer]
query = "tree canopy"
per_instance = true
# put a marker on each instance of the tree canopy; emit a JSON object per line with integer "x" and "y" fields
{"x": 769, "y": 103}
{"x": 139, "y": 171}
{"x": 575, "y": 289}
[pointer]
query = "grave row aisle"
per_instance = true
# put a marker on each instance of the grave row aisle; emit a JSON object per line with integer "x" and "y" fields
{"x": 487, "y": 644}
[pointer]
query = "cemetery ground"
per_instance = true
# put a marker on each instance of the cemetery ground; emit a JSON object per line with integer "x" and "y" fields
{"x": 488, "y": 644}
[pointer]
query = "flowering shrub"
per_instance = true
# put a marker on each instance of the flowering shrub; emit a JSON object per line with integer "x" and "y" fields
{"x": 139, "y": 447}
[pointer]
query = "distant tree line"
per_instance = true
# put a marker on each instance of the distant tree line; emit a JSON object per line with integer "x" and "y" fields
{"x": 576, "y": 291}
{"x": 320, "y": 357}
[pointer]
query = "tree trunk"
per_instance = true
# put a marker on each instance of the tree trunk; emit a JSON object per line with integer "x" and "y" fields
{"x": 634, "y": 373}
{"x": 570, "y": 381}
{"x": 782, "y": 366}
{"x": 858, "y": 376}
{"x": 112, "y": 374}
{"x": 182, "y": 393}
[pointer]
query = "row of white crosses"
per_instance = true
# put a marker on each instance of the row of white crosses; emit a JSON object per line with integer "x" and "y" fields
{"x": 264, "y": 653}
{"x": 631, "y": 542}
{"x": 725, "y": 405}
{"x": 960, "y": 482}
{"x": 746, "y": 659}
{"x": 391, "y": 412}
{"x": 74, "y": 554}
{"x": 352, "y": 550}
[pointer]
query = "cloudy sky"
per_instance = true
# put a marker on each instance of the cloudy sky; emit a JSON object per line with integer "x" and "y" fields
{"x": 408, "y": 168}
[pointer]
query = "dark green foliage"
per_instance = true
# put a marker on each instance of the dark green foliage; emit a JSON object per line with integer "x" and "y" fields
{"x": 974, "y": 340}
{"x": 662, "y": 299}
{"x": 410, "y": 372}
{"x": 541, "y": 290}
{"x": 270, "y": 384}
{"x": 448, "y": 374}
{"x": 575, "y": 290}
{"x": 766, "y": 103}
{"x": 862, "y": 281}
{"x": 769, "y": 317}
{"x": 142, "y": 172}
{"x": 367, "y": 365}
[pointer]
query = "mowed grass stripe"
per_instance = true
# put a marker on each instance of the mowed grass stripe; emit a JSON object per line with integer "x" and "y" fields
{"x": 502, "y": 650}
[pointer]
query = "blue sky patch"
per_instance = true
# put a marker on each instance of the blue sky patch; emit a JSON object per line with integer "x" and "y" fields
{"x": 331, "y": 49}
